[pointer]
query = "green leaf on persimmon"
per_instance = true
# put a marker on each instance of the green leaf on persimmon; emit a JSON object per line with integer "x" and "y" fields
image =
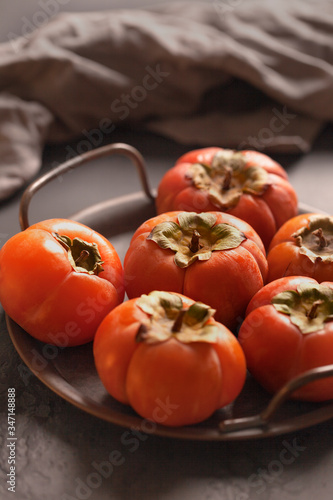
{"x": 168, "y": 318}
{"x": 195, "y": 237}
{"x": 309, "y": 307}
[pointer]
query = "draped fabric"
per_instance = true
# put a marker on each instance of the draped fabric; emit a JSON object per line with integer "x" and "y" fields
{"x": 242, "y": 74}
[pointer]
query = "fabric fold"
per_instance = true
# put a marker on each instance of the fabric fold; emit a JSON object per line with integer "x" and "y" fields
{"x": 23, "y": 128}
{"x": 230, "y": 74}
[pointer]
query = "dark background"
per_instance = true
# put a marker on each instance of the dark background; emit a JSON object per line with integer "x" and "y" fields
{"x": 58, "y": 444}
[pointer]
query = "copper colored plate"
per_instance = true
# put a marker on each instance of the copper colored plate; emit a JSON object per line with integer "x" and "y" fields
{"x": 71, "y": 374}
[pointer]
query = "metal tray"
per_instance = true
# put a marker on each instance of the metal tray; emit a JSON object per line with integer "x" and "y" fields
{"x": 71, "y": 373}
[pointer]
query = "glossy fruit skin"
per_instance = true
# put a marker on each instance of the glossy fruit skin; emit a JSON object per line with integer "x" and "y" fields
{"x": 227, "y": 281}
{"x": 170, "y": 383}
{"x": 284, "y": 256}
{"x": 40, "y": 290}
{"x": 276, "y": 350}
{"x": 265, "y": 213}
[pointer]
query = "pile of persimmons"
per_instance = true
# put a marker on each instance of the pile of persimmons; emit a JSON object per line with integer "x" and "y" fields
{"x": 228, "y": 277}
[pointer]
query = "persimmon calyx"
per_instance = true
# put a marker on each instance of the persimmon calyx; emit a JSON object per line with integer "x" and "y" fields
{"x": 309, "y": 307}
{"x": 316, "y": 239}
{"x": 169, "y": 318}
{"x": 83, "y": 256}
{"x": 228, "y": 178}
{"x": 195, "y": 237}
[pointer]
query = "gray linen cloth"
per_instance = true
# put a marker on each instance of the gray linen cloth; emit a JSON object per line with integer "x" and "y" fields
{"x": 234, "y": 73}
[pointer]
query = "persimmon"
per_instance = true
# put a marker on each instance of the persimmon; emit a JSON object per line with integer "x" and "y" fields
{"x": 247, "y": 184}
{"x": 58, "y": 279}
{"x": 166, "y": 356}
{"x": 211, "y": 257}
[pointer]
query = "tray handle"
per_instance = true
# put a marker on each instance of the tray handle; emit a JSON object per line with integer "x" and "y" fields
{"x": 111, "y": 149}
{"x": 263, "y": 418}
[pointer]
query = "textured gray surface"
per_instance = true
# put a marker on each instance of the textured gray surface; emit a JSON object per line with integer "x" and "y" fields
{"x": 60, "y": 449}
